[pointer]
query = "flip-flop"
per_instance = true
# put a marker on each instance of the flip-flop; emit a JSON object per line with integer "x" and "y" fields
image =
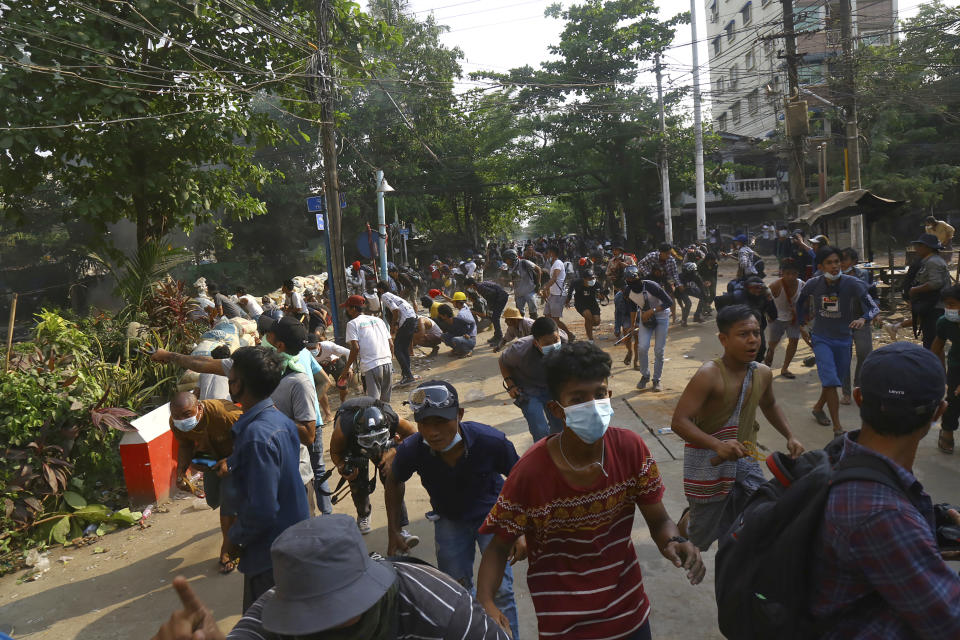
{"x": 943, "y": 445}
{"x": 821, "y": 417}
{"x": 788, "y": 375}
{"x": 838, "y": 433}
{"x": 226, "y": 567}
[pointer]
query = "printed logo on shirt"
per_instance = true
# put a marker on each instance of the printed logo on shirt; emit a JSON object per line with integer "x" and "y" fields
{"x": 830, "y": 306}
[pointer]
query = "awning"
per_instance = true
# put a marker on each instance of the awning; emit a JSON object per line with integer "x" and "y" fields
{"x": 850, "y": 203}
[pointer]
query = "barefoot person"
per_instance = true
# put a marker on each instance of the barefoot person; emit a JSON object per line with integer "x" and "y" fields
{"x": 784, "y": 293}
{"x": 574, "y": 495}
{"x": 716, "y": 416}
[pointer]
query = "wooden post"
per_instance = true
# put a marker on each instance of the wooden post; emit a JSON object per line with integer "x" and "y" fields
{"x": 13, "y": 317}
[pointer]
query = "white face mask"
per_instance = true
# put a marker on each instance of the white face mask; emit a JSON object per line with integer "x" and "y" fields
{"x": 953, "y": 315}
{"x": 187, "y": 424}
{"x": 316, "y": 351}
{"x": 831, "y": 276}
{"x": 589, "y": 420}
{"x": 590, "y": 283}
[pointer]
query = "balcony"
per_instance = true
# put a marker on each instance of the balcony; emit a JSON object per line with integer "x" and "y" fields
{"x": 747, "y": 189}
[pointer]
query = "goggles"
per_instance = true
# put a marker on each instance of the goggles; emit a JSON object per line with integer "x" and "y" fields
{"x": 367, "y": 440}
{"x": 438, "y": 397}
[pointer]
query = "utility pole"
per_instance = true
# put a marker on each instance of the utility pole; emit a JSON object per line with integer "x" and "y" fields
{"x": 850, "y": 108}
{"x": 698, "y": 130}
{"x": 664, "y": 167}
{"x": 798, "y": 183}
{"x": 324, "y": 71}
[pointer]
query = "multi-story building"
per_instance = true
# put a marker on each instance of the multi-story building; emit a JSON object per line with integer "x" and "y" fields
{"x": 748, "y": 79}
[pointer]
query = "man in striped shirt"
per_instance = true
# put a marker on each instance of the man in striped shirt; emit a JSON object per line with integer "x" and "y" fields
{"x": 328, "y": 587}
{"x": 573, "y": 496}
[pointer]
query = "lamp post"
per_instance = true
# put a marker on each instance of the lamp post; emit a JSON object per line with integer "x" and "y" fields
{"x": 382, "y": 187}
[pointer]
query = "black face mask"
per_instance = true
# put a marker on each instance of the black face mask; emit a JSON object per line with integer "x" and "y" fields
{"x": 379, "y": 622}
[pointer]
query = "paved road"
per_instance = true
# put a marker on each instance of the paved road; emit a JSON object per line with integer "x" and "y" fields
{"x": 124, "y": 593}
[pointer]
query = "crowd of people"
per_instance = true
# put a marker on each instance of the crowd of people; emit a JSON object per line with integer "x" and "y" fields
{"x": 566, "y": 506}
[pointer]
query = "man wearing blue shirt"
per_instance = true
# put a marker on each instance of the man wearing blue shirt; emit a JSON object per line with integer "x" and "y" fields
{"x": 462, "y": 466}
{"x": 265, "y": 468}
{"x": 828, "y": 299}
{"x": 459, "y": 332}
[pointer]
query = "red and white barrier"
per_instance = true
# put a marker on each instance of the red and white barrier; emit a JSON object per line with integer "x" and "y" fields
{"x": 149, "y": 457}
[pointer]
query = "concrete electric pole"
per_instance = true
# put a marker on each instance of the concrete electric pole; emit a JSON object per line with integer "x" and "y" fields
{"x": 664, "y": 166}
{"x": 698, "y": 130}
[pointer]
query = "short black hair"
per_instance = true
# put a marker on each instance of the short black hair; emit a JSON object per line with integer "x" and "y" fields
{"x": 951, "y": 293}
{"x": 445, "y": 310}
{"x": 575, "y": 361}
{"x": 850, "y": 254}
{"x": 930, "y": 219}
{"x": 426, "y": 301}
{"x": 288, "y": 284}
{"x": 469, "y": 282}
{"x": 729, "y": 316}
{"x": 212, "y": 288}
{"x": 789, "y": 264}
{"x": 665, "y": 246}
{"x": 240, "y": 291}
{"x": 542, "y": 326}
{"x": 383, "y": 284}
{"x": 259, "y": 369}
{"x": 221, "y": 352}
{"x": 825, "y": 252}
{"x": 554, "y": 249}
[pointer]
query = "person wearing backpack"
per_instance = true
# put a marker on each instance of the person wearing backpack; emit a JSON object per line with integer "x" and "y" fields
{"x": 749, "y": 263}
{"x": 877, "y": 569}
{"x": 842, "y": 543}
{"x": 716, "y": 416}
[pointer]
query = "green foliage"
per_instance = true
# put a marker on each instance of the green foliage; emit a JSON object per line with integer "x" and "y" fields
{"x": 136, "y": 274}
{"x": 908, "y": 101}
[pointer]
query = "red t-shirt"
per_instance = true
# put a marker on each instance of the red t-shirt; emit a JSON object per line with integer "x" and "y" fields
{"x": 583, "y": 572}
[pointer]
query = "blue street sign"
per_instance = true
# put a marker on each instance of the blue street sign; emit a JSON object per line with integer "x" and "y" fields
{"x": 321, "y": 225}
{"x": 405, "y": 233}
{"x": 319, "y": 203}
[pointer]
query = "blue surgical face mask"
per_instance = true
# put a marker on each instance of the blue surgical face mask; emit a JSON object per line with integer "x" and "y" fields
{"x": 953, "y": 315}
{"x": 456, "y": 440}
{"x": 589, "y": 420}
{"x": 547, "y": 348}
{"x": 187, "y": 424}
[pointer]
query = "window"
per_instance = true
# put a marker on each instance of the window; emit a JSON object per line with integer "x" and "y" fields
{"x": 765, "y": 2}
{"x": 808, "y": 18}
{"x": 716, "y": 46}
{"x": 714, "y": 11}
{"x": 746, "y": 14}
{"x": 810, "y": 74}
{"x": 735, "y": 112}
{"x": 719, "y": 85}
{"x": 750, "y": 60}
{"x": 722, "y": 122}
{"x": 734, "y": 76}
{"x": 875, "y": 39}
{"x": 753, "y": 101}
{"x": 730, "y": 31}
{"x": 768, "y": 48}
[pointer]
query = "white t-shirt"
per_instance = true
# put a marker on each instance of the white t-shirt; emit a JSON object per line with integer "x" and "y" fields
{"x": 431, "y": 328}
{"x": 251, "y": 306}
{"x": 392, "y": 301}
{"x": 557, "y": 288}
{"x": 373, "y": 338}
{"x": 330, "y": 351}
{"x": 469, "y": 268}
{"x": 295, "y": 300}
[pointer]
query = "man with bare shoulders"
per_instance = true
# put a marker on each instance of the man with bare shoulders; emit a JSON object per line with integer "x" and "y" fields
{"x": 716, "y": 416}
{"x": 784, "y": 291}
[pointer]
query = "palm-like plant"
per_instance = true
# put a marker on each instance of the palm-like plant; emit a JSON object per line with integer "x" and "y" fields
{"x": 136, "y": 274}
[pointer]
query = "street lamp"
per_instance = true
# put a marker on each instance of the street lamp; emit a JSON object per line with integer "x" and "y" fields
{"x": 382, "y": 187}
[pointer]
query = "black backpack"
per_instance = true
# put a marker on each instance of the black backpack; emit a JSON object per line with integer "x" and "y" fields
{"x": 763, "y": 564}
{"x": 758, "y": 265}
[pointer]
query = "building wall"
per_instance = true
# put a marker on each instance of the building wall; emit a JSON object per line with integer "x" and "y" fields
{"x": 747, "y": 77}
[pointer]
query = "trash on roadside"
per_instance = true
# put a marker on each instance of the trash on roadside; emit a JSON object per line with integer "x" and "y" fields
{"x": 664, "y": 430}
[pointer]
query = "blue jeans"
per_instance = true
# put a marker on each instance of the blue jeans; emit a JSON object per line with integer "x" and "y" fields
{"x": 529, "y": 300}
{"x": 457, "y": 544}
{"x": 539, "y": 419}
{"x": 460, "y": 345}
{"x": 643, "y": 347}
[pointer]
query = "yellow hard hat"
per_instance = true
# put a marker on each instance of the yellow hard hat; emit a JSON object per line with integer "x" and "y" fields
{"x": 459, "y": 296}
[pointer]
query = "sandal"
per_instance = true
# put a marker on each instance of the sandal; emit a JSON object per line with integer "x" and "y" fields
{"x": 787, "y": 374}
{"x": 225, "y": 567}
{"x": 943, "y": 444}
{"x": 838, "y": 433}
{"x": 821, "y": 417}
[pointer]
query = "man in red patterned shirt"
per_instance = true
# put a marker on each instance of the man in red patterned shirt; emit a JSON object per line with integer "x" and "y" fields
{"x": 573, "y": 495}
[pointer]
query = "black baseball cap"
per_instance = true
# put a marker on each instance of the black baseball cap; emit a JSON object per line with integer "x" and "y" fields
{"x": 435, "y": 398}
{"x": 290, "y": 332}
{"x": 903, "y": 376}
{"x": 928, "y": 239}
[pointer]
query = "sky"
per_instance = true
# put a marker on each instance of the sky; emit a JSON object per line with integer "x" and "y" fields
{"x": 499, "y": 35}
